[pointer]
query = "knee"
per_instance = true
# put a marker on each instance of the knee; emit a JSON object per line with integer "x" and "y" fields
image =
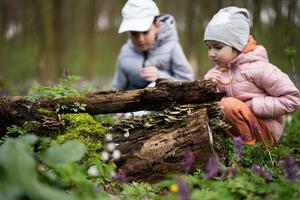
{"x": 233, "y": 106}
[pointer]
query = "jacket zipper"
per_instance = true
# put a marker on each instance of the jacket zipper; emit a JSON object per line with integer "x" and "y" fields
{"x": 145, "y": 53}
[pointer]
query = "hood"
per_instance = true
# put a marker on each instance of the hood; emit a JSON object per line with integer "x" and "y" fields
{"x": 167, "y": 30}
{"x": 258, "y": 54}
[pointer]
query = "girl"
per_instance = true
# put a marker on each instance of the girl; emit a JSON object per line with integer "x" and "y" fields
{"x": 258, "y": 94}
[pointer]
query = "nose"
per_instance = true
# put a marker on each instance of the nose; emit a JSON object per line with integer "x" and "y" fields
{"x": 211, "y": 53}
{"x": 140, "y": 37}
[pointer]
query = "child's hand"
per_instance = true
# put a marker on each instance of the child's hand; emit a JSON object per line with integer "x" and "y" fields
{"x": 150, "y": 73}
{"x": 213, "y": 75}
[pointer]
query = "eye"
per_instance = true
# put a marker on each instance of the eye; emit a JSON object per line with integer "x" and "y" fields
{"x": 208, "y": 46}
{"x": 145, "y": 32}
{"x": 134, "y": 33}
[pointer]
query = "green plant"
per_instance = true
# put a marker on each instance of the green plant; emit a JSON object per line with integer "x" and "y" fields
{"x": 23, "y": 176}
{"x": 84, "y": 128}
{"x": 14, "y": 129}
{"x": 64, "y": 89}
{"x": 75, "y": 107}
{"x": 138, "y": 191}
{"x": 290, "y": 53}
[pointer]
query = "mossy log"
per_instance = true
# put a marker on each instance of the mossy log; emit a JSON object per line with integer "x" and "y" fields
{"x": 17, "y": 110}
{"x": 186, "y": 118}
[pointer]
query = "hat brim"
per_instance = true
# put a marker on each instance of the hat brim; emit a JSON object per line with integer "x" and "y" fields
{"x": 136, "y": 24}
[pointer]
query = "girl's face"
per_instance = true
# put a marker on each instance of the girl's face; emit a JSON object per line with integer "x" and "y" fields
{"x": 144, "y": 40}
{"x": 220, "y": 53}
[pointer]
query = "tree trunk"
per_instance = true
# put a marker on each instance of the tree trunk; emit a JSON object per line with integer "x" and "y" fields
{"x": 47, "y": 64}
{"x": 58, "y": 23}
{"x": 169, "y": 142}
{"x": 17, "y": 110}
{"x": 277, "y": 4}
{"x": 2, "y": 32}
{"x": 256, "y": 14}
{"x": 91, "y": 38}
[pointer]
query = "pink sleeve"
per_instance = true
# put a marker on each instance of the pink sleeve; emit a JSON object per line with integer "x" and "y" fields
{"x": 282, "y": 96}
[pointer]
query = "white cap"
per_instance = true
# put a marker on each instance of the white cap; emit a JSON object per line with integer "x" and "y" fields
{"x": 231, "y": 26}
{"x": 138, "y": 15}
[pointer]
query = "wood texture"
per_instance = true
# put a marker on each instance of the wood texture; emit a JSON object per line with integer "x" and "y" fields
{"x": 155, "y": 145}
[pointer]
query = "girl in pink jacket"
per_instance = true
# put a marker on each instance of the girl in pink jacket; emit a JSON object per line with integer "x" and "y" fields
{"x": 258, "y": 94}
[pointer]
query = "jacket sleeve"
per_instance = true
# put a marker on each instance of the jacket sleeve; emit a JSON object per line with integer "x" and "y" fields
{"x": 180, "y": 67}
{"x": 120, "y": 80}
{"x": 282, "y": 95}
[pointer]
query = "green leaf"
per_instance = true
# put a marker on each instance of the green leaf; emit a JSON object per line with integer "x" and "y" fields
{"x": 28, "y": 139}
{"x": 70, "y": 151}
{"x": 16, "y": 161}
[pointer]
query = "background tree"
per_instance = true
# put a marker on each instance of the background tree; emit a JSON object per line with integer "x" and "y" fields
{"x": 2, "y": 28}
{"x": 91, "y": 19}
{"x": 48, "y": 68}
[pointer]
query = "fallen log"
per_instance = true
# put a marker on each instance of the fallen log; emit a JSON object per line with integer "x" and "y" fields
{"x": 167, "y": 93}
{"x": 157, "y": 145}
{"x": 189, "y": 119}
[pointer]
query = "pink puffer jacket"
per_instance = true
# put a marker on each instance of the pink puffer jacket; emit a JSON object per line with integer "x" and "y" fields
{"x": 263, "y": 87}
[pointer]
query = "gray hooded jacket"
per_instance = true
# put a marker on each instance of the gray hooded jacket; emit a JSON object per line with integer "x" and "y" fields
{"x": 166, "y": 55}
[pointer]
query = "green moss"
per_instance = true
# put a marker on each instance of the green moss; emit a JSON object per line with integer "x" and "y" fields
{"x": 31, "y": 126}
{"x": 84, "y": 124}
{"x": 84, "y": 128}
{"x": 45, "y": 111}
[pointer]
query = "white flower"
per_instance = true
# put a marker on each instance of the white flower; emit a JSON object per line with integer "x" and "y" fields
{"x": 113, "y": 174}
{"x": 116, "y": 154}
{"x": 105, "y": 156}
{"x": 289, "y": 118}
{"x": 108, "y": 137}
{"x": 110, "y": 146}
{"x": 93, "y": 171}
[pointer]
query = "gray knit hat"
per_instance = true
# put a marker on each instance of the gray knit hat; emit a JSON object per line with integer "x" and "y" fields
{"x": 231, "y": 26}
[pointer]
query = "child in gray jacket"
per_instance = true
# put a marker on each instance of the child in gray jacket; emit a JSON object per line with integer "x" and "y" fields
{"x": 152, "y": 51}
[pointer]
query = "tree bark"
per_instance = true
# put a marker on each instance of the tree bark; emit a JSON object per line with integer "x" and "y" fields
{"x": 2, "y": 32}
{"x": 47, "y": 65}
{"x": 256, "y": 13}
{"x": 17, "y": 110}
{"x": 91, "y": 38}
{"x": 173, "y": 142}
{"x": 58, "y": 26}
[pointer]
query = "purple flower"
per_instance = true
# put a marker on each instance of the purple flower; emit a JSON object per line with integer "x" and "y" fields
{"x": 97, "y": 188}
{"x": 256, "y": 168}
{"x": 263, "y": 172}
{"x": 255, "y": 128}
{"x": 266, "y": 175}
{"x": 188, "y": 160}
{"x": 182, "y": 189}
{"x": 229, "y": 172}
{"x": 120, "y": 176}
{"x": 232, "y": 171}
{"x": 66, "y": 73}
{"x": 212, "y": 168}
{"x": 291, "y": 169}
{"x": 237, "y": 146}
